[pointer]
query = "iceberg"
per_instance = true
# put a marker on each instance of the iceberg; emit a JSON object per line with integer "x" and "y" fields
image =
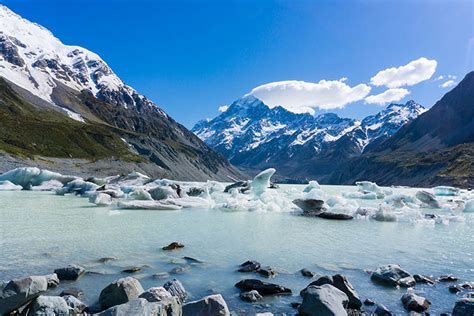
{"x": 446, "y": 191}
{"x": 469, "y": 206}
{"x": 100, "y": 199}
{"x": 261, "y": 181}
{"x": 139, "y": 194}
{"x": 77, "y": 186}
{"x": 147, "y": 205}
{"x": 50, "y": 185}
{"x": 32, "y": 176}
{"x": 312, "y": 185}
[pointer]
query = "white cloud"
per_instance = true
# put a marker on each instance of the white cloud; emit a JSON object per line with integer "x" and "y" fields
{"x": 301, "y": 96}
{"x": 448, "y": 84}
{"x": 223, "y": 108}
{"x": 410, "y": 74}
{"x": 452, "y": 77}
{"x": 441, "y": 77}
{"x": 390, "y": 95}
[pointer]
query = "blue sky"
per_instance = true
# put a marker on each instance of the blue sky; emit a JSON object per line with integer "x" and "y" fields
{"x": 190, "y": 57}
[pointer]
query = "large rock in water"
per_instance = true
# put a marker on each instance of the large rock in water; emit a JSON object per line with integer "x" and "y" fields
{"x": 262, "y": 287}
{"x": 212, "y": 305}
{"x": 72, "y": 272}
{"x": 415, "y": 303}
{"x": 463, "y": 307}
{"x": 341, "y": 283}
{"x": 20, "y": 291}
{"x": 119, "y": 292}
{"x": 50, "y": 305}
{"x": 389, "y": 274}
{"x": 139, "y": 306}
{"x": 324, "y": 300}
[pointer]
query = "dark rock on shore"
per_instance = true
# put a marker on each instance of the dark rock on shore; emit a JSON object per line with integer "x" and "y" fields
{"x": 381, "y": 310}
{"x": 323, "y": 300}
{"x": 460, "y": 287}
{"x": 71, "y": 273}
{"x": 19, "y": 292}
{"x": 262, "y": 287}
{"x": 448, "y": 278}
{"x": 463, "y": 307}
{"x": 173, "y": 246}
{"x": 249, "y": 266}
{"x": 193, "y": 260}
{"x": 341, "y": 283}
{"x": 175, "y": 288}
{"x": 307, "y": 273}
{"x": 415, "y": 303}
{"x": 389, "y": 274}
{"x": 251, "y": 296}
{"x": 212, "y": 305}
{"x": 132, "y": 270}
{"x": 369, "y": 302}
{"x": 119, "y": 292}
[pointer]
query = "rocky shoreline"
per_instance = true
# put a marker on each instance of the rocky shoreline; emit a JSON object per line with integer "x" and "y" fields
{"x": 324, "y": 295}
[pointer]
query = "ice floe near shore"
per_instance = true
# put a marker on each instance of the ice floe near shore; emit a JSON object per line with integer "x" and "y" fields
{"x": 365, "y": 201}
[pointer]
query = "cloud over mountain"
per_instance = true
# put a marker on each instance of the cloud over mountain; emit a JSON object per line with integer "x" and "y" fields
{"x": 390, "y": 95}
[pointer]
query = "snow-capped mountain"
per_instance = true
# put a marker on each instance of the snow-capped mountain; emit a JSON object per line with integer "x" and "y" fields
{"x": 254, "y": 136}
{"x": 91, "y": 113}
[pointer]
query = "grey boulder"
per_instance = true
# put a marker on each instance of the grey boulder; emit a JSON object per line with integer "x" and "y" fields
{"x": 175, "y": 288}
{"x": 389, "y": 274}
{"x": 341, "y": 283}
{"x": 119, "y": 292}
{"x": 155, "y": 294}
{"x": 139, "y": 306}
{"x": 324, "y": 300}
{"x": 52, "y": 279}
{"x": 415, "y": 303}
{"x": 75, "y": 304}
{"x": 212, "y": 305}
{"x": 50, "y": 305}
{"x": 17, "y": 293}
{"x": 251, "y": 296}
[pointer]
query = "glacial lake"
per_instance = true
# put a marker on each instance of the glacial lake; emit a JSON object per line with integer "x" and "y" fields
{"x": 41, "y": 231}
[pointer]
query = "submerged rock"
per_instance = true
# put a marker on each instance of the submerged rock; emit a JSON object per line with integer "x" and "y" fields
{"x": 175, "y": 288}
{"x": 249, "y": 266}
{"x": 19, "y": 292}
{"x": 71, "y": 272}
{"x": 324, "y": 300}
{"x": 173, "y": 246}
{"x": 251, "y": 296}
{"x": 267, "y": 272}
{"x": 415, "y": 303}
{"x": 463, "y": 307}
{"x": 341, "y": 283}
{"x": 262, "y": 287}
{"x": 389, "y": 274}
{"x": 307, "y": 273}
{"x": 448, "y": 278}
{"x": 382, "y": 310}
{"x": 423, "y": 279}
{"x": 132, "y": 270}
{"x": 119, "y": 292}
{"x": 212, "y": 305}
{"x": 336, "y": 216}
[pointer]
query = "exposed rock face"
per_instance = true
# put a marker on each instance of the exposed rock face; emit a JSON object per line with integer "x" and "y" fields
{"x": 50, "y": 305}
{"x": 119, "y": 292}
{"x": 324, "y": 300}
{"x": 21, "y": 291}
{"x": 175, "y": 288}
{"x": 341, "y": 283}
{"x": 212, "y": 305}
{"x": 262, "y": 287}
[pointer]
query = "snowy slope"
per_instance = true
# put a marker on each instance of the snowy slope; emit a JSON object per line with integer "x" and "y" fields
{"x": 252, "y": 135}
{"x": 34, "y": 59}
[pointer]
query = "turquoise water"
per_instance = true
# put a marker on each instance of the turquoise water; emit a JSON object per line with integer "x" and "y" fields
{"x": 40, "y": 231}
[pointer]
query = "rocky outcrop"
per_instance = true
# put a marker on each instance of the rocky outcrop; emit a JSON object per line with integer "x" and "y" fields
{"x": 390, "y": 274}
{"x": 71, "y": 272}
{"x": 324, "y": 300}
{"x": 212, "y": 305}
{"x": 21, "y": 291}
{"x": 341, "y": 283}
{"x": 119, "y": 292}
{"x": 50, "y": 305}
{"x": 415, "y": 303}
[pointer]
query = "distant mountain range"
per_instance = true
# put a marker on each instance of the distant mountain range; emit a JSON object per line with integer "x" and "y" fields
{"x": 436, "y": 148}
{"x": 64, "y": 102}
{"x": 254, "y": 136}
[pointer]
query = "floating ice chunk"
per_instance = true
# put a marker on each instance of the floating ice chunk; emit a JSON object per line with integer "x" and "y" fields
{"x": 147, "y": 205}
{"x": 9, "y": 186}
{"x": 469, "y": 206}
{"x": 190, "y": 202}
{"x": 77, "y": 186}
{"x": 100, "y": 199}
{"x": 50, "y": 185}
{"x": 385, "y": 214}
{"x": 360, "y": 195}
{"x": 312, "y": 185}
{"x": 139, "y": 194}
{"x": 32, "y": 176}
{"x": 315, "y": 194}
{"x": 162, "y": 192}
{"x": 428, "y": 199}
{"x": 446, "y": 191}
{"x": 401, "y": 200}
{"x": 261, "y": 181}
{"x": 368, "y": 187}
